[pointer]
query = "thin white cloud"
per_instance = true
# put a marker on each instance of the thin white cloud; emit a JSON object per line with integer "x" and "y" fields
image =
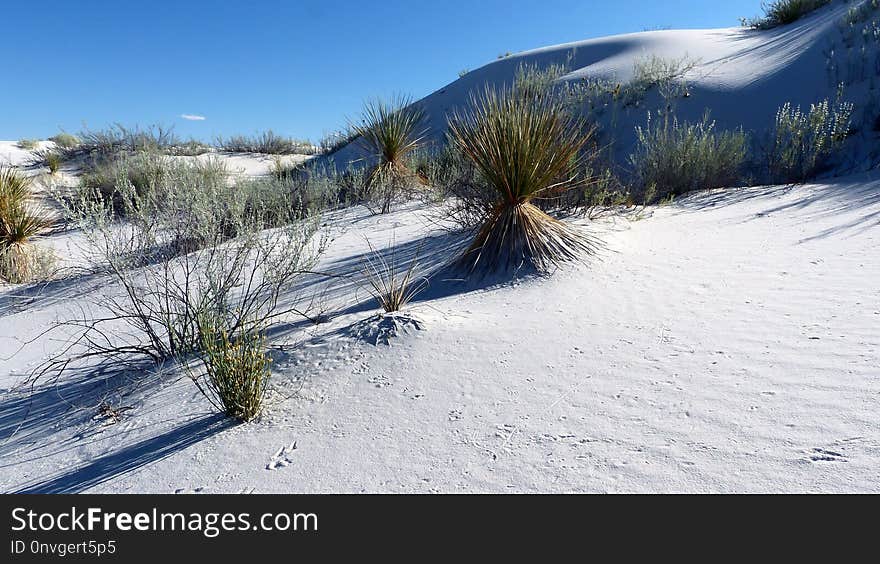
{"x": 193, "y": 117}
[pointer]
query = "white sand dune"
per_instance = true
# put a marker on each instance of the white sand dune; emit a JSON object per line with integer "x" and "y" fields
{"x": 726, "y": 343}
{"x": 729, "y": 342}
{"x": 741, "y": 76}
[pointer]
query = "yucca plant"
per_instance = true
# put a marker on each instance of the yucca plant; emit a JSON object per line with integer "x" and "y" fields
{"x": 19, "y": 224}
{"x": 392, "y": 285}
{"x": 390, "y": 131}
{"x": 525, "y": 149}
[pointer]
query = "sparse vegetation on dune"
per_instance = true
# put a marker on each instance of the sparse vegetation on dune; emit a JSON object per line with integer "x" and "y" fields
{"x": 390, "y": 131}
{"x": 20, "y": 222}
{"x": 783, "y": 12}
{"x": 28, "y": 144}
{"x": 267, "y": 143}
{"x": 524, "y": 149}
{"x": 201, "y": 266}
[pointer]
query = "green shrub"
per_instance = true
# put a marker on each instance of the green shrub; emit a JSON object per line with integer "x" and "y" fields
{"x": 802, "y": 143}
{"x": 524, "y": 150}
{"x": 673, "y": 158}
{"x": 783, "y": 12}
{"x": 53, "y": 160}
{"x": 237, "y": 368}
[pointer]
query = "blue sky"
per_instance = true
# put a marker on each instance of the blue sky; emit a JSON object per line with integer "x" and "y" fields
{"x": 299, "y": 68}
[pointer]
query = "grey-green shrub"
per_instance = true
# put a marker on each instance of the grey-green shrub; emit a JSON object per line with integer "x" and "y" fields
{"x": 803, "y": 142}
{"x": 144, "y": 173}
{"x": 675, "y": 157}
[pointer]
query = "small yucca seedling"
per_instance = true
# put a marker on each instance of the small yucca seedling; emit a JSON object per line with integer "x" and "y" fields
{"x": 525, "y": 148}
{"x": 393, "y": 286}
{"x": 390, "y": 131}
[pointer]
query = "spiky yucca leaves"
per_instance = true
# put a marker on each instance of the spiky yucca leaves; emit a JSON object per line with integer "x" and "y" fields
{"x": 390, "y": 131}
{"x": 19, "y": 224}
{"x": 392, "y": 285}
{"x": 525, "y": 148}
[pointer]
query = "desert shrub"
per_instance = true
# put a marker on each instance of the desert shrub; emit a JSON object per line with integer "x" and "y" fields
{"x": 53, "y": 160}
{"x": 783, "y": 12}
{"x": 523, "y": 149}
{"x": 267, "y": 142}
{"x": 236, "y": 366}
{"x": 102, "y": 175}
{"x": 20, "y": 222}
{"x": 28, "y": 144}
{"x": 672, "y": 158}
{"x": 65, "y": 140}
{"x": 390, "y": 131}
{"x": 391, "y": 284}
{"x": 190, "y": 246}
{"x": 803, "y": 143}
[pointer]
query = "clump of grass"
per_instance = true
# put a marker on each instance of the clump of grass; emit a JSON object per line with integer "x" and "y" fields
{"x": 65, "y": 140}
{"x": 391, "y": 131}
{"x": 783, "y": 12}
{"x": 20, "y": 260}
{"x": 392, "y": 285}
{"x": 523, "y": 149}
{"x": 28, "y": 144}
{"x": 237, "y": 368}
{"x": 673, "y": 158}
{"x": 804, "y": 142}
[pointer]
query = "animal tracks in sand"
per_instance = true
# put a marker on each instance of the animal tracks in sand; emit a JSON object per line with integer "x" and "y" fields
{"x": 283, "y": 457}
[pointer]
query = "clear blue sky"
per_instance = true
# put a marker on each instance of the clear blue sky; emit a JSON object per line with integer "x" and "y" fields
{"x": 300, "y": 68}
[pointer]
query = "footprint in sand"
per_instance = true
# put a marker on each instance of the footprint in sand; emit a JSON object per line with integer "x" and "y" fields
{"x": 282, "y": 457}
